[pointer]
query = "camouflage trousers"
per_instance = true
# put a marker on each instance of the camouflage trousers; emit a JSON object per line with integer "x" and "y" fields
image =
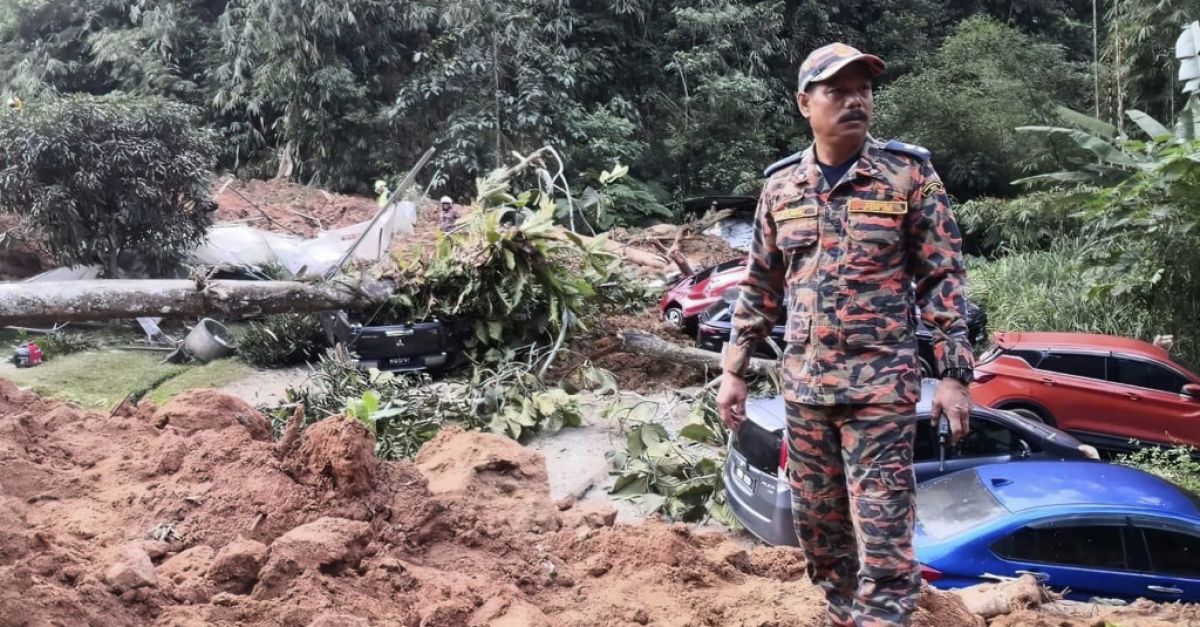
{"x": 850, "y": 470}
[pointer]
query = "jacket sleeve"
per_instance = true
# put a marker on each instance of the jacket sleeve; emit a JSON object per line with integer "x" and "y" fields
{"x": 760, "y": 302}
{"x": 936, "y": 262}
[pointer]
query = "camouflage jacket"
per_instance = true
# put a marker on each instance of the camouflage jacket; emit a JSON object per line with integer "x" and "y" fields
{"x": 846, "y": 257}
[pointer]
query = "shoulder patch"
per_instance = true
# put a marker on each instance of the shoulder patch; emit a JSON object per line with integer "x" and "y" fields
{"x": 783, "y": 163}
{"x": 912, "y": 150}
{"x": 932, "y": 187}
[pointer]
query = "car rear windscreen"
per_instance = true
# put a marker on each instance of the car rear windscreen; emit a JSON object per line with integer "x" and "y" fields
{"x": 952, "y": 504}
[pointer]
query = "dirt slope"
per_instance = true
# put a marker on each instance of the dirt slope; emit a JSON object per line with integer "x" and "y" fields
{"x": 294, "y": 208}
{"x": 189, "y": 515}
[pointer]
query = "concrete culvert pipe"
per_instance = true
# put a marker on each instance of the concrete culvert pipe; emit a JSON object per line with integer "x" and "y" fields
{"x": 209, "y": 340}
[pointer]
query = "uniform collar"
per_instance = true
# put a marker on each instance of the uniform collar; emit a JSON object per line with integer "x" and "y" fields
{"x": 808, "y": 174}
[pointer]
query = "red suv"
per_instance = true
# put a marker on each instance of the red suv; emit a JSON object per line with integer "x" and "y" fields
{"x": 693, "y": 294}
{"x": 1105, "y": 390}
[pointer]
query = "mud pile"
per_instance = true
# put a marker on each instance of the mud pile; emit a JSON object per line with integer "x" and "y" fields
{"x": 189, "y": 515}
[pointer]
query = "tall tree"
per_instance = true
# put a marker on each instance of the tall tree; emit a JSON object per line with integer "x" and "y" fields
{"x": 303, "y": 79}
{"x": 1140, "y": 48}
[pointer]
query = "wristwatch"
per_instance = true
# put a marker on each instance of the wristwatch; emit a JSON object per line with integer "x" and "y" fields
{"x": 963, "y": 375}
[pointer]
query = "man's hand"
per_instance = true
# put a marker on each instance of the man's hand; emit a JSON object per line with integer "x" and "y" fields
{"x": 731, "y": 400}
{"x": 951, "y": 399}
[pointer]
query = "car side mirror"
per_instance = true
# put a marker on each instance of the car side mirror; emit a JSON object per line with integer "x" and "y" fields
{"x": 1192, "y": 390}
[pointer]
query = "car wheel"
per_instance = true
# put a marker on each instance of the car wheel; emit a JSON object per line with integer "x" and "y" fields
{"x": 674, "y": 316}
{"x": 1032, "y": 414}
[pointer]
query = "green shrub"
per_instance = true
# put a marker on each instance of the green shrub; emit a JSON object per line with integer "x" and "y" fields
{"x": 102, "y": 175}
{"x": 282, "y": 340}
{"x": 964, "y": 105}
{"x": 994, "y": 226}
{"x": 1175, "y": 465}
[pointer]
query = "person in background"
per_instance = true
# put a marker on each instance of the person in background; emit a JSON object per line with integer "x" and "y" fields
{"x": 382, "y": 191}
{"x": 448, "y": 214}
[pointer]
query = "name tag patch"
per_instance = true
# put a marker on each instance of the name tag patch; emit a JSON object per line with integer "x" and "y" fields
{"x": 885, "y": 207}
{"x": 809, "y": 211}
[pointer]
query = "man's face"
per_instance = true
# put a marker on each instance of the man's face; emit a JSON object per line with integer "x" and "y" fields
{"x": 445, "y": 206}
{"x": 841, "y": 107}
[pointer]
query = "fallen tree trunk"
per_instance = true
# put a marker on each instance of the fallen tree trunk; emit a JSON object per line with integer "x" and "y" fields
{"x": 77, "y": 301}
{"x": 641, "y": 343}
{"x": 636, "y": 255}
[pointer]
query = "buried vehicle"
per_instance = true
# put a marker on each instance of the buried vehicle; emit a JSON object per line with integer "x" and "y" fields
{"x": 1093, "y": 530}
{"x": 691, "y": 295}
{"x": 755, "y": 476}
{"x": 429, "y": 345}
{"x": 1112, "y": 392}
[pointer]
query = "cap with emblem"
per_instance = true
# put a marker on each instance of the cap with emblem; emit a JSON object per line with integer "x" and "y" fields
{"x": 826, "y": 61}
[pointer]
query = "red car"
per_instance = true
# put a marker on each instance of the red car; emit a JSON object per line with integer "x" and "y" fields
{"x": 692, "y": 295}
{"x": 1105, "y": 390}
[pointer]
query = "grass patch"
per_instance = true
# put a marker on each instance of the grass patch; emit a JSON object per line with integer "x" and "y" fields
{"x": 211, "y": 375}
{"x": 1047, "y": 290}
{"x": 97, "y": 380}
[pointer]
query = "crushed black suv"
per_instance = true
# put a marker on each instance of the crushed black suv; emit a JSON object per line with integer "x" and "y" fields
{"x": 428, "y": 345}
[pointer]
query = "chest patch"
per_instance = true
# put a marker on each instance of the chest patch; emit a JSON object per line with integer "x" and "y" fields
{"x": 885, "y": 207}
{"x": 809, "y": 211}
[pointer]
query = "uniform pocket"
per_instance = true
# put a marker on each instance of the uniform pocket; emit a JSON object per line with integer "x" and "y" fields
{"x": 796, "y": 223}
{"x": 876, "y": 221}
{"x": 878, "y": 318}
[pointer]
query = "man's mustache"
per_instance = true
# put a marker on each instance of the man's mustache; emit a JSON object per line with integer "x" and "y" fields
{"x": 855, "y": 115}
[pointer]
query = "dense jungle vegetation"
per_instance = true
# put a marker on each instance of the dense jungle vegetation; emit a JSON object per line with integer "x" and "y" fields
{"x": 694, "y": 96}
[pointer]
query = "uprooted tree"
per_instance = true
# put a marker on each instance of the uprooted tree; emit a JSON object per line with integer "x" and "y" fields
{"x": 102, "y": 176}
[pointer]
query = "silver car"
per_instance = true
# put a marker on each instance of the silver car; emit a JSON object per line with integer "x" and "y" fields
{"x": 756, "y": 480}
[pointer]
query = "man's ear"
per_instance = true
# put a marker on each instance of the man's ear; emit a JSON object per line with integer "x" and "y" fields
{"x": 802, "y": 102}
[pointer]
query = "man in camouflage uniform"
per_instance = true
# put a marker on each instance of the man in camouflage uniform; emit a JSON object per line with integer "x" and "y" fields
{"x": 846, "y": 243}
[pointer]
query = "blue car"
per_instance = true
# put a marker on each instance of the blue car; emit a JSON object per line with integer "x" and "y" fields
{"x": 756, "y": 486}
{"x": 1093, "y": 530}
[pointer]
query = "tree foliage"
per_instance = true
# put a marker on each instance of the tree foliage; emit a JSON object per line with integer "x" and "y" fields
{"x": 965, "y": 104}
{"x": 1140, "y": 50}
{"x": 695, "y": 96}
{"x": 105, "y": 175}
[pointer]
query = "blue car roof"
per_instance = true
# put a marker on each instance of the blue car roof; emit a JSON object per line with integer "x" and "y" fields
{"x": 1032, "y": 484}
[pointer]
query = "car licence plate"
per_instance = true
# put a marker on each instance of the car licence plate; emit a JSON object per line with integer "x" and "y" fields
{"x": 739, "y": 473}
{"x": 398, "y": 362}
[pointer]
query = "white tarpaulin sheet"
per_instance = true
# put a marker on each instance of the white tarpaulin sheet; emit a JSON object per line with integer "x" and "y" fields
{"x": 237, "y": 244}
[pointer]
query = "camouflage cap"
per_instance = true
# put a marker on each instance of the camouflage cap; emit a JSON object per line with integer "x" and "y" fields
{"x": 826, "y": 61}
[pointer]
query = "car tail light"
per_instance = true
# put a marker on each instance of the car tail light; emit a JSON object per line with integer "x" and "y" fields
{"x": 783, "y": 453}
{"x": 930, "y": 574}
{"x": 983, "y": 377}
{"x": 1089, "y": 451}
